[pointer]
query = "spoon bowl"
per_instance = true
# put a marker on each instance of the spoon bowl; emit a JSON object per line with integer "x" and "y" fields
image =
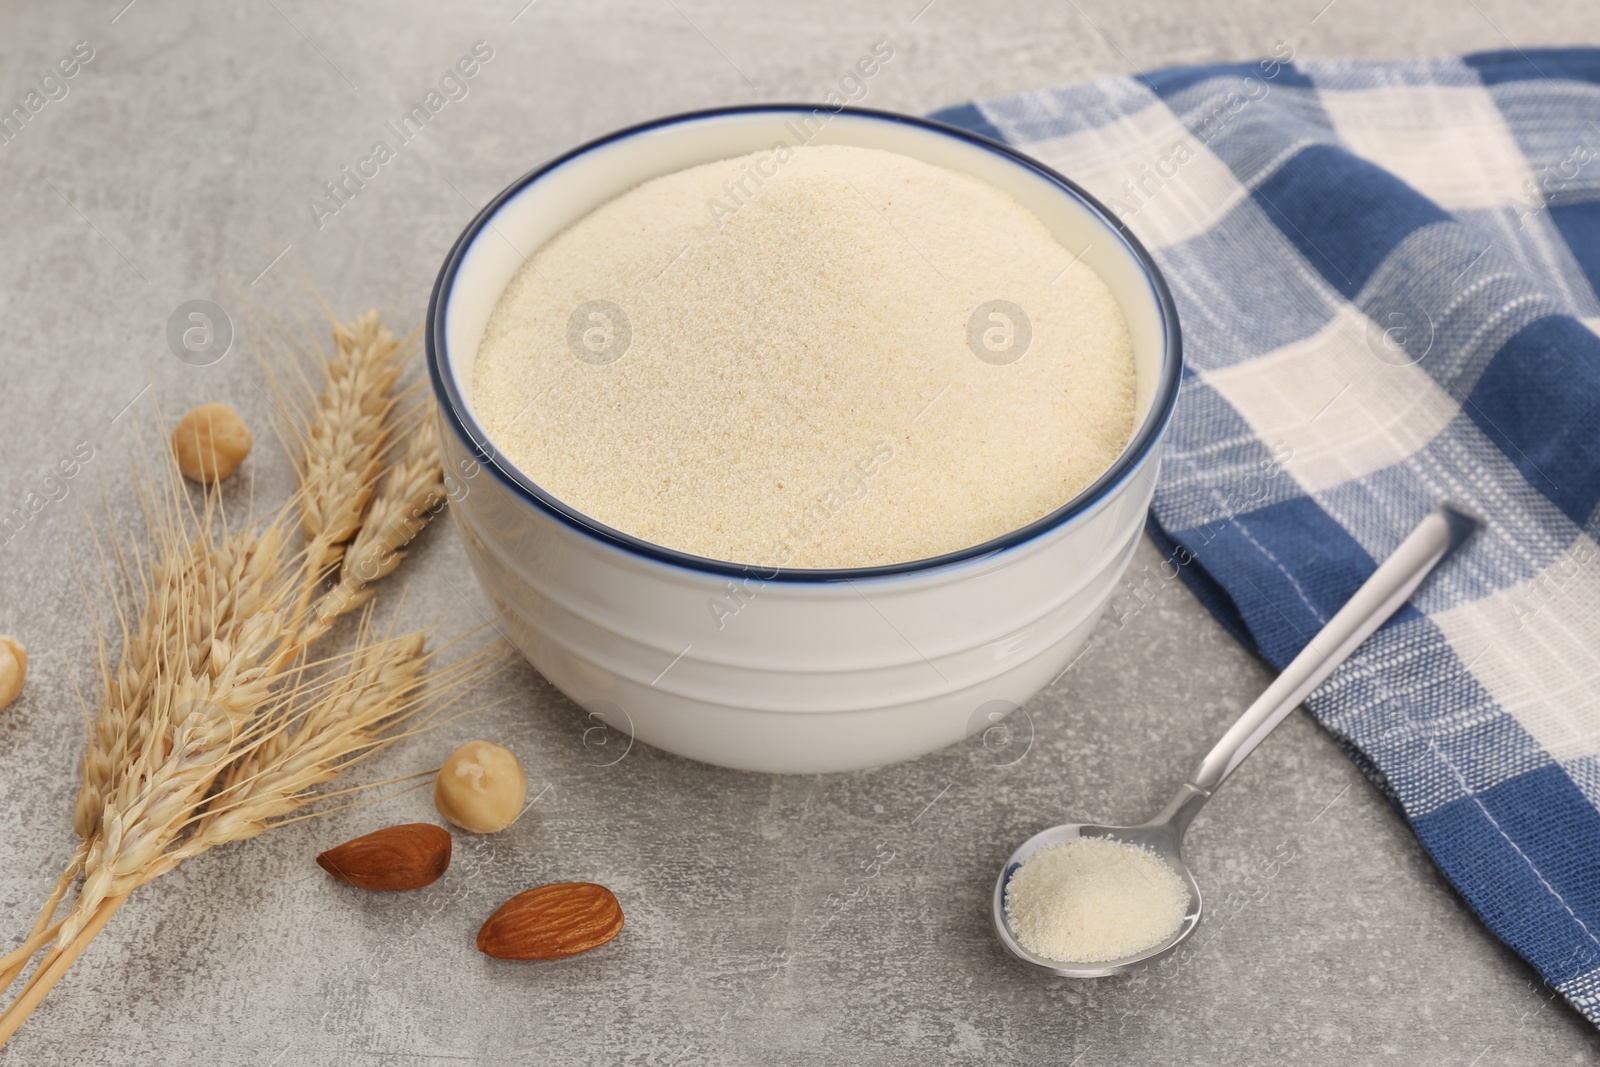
{"x": 1161, "y": 838}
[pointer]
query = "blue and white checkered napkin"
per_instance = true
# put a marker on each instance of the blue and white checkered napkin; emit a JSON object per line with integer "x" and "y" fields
{"x": 1386, "y": 275}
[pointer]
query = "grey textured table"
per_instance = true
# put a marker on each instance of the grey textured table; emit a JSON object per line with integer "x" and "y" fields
{"x": 833, "y": 919}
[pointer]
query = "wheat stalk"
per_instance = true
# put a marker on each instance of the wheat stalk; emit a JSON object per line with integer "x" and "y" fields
{"x": 213, "y": 725}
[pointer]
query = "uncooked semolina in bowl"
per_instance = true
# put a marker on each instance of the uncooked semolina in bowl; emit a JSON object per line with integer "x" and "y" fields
{"x": 785, "y": 377}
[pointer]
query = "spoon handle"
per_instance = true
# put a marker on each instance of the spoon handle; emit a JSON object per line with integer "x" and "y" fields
{"x": 1379, "y": 597}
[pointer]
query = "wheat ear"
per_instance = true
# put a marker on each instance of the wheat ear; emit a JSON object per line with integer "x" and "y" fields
{"x": 303, "y": 747}
{"x": 411, "y": 494}
{"x": 226, "y": 615}
{"x": 345, "y": 433}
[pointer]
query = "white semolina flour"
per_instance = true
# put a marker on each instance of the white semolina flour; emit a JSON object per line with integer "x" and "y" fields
{"x": 1094, "y": 899}
{"x": 775, "y": 360}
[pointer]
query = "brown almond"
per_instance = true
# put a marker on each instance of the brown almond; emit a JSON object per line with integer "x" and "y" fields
{"x": 552, "y": 921}
{"x": 408, "y": 856}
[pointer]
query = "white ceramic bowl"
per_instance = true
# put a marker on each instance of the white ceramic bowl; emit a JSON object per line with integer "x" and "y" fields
{"x": 819, "y": 670}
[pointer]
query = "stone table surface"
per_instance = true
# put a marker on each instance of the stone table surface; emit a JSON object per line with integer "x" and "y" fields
{"x": 825, "y": 919}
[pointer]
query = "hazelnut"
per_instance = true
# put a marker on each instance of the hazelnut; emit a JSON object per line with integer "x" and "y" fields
{"x": 210, "y": 443}
{"x": 480, "y": 788}
{"x": 13, "y": 666}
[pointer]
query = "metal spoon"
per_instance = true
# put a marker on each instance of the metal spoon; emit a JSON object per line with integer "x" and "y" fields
{"x": 1390, "y": 586}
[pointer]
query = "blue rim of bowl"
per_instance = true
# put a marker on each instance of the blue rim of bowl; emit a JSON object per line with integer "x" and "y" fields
{"x": 477, "y": 441}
